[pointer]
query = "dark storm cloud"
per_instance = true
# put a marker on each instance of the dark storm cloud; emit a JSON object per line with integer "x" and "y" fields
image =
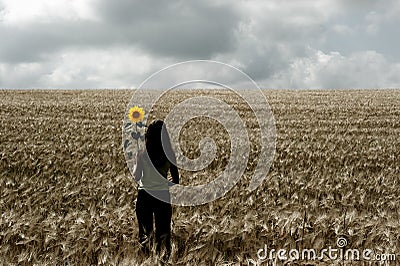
{"x": 191, "y": 29}
{"x": 39, "y": 41}
{"x": 269, "y": 41}
{"x": 309, "y": 44}
{"x": 26, "y": 44}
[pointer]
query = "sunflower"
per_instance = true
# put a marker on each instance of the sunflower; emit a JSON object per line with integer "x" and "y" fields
{"x": 136, "y": 114}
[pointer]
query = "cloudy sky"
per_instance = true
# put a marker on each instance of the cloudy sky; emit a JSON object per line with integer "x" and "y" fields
{"x": 279, "y": 43}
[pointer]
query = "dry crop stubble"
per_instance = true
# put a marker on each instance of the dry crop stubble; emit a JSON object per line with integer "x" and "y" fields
{"x": 66, "y": 193}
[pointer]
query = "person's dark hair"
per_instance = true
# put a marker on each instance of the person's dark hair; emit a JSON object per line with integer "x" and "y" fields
{"x": 158, "y": 144}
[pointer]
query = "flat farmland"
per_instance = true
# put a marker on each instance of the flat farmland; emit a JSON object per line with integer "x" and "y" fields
{"x": 67, "y": 197}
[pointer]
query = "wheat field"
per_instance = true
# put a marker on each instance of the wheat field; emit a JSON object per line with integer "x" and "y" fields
{"x": 67, "y": 197}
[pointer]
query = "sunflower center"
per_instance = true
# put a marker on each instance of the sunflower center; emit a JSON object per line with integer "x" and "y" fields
{"x": 135, "y": 114}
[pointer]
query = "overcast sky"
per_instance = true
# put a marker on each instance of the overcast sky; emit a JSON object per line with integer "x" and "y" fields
{"x": 280, "y": 44}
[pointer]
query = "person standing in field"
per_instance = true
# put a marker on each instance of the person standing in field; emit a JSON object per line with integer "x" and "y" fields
{"x": 151, "y": 172}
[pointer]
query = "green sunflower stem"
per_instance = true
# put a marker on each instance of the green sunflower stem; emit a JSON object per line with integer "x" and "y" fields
{"x": 137, "y": 140}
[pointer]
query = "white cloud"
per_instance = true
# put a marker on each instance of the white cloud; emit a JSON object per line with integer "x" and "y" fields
{"x": 121, "y": 67}
{"x": 24, "y": 75}
{"x": 25, "y": 11}
{"x": 94, "y": 65}
{"x": 366, "y": 69}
